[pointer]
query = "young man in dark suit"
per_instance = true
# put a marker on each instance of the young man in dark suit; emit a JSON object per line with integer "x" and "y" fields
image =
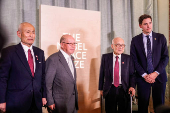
{"x": 117, "y": 78}
{"x": 22, "y": 80}
{"x": 150, "y": 54}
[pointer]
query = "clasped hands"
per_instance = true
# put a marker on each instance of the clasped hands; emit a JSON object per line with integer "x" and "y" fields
{"x": 150, "y": 78}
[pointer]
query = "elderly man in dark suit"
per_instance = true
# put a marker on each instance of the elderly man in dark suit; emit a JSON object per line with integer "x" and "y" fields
{"x": 117, "y": 78}
{"x": 22, "y": 81}
{"x": 61, "y": 77}
{"x": 150, "y": 54}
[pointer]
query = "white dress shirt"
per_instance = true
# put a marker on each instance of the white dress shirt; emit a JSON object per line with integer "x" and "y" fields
{"x": 26, "y": 53}
{"x": 67, "y": 57}
{"x": 145, "y": 41}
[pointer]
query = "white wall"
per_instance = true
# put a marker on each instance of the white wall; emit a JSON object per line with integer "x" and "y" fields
{"x": 163, "y": 18}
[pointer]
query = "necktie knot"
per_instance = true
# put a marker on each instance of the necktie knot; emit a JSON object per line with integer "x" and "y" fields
{"x": 147, "y": 36}
{"x": 117, "y": 57}
{"x": 29, "y": 50}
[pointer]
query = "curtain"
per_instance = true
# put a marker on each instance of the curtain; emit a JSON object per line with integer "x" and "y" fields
{"x": 119, "y": 18}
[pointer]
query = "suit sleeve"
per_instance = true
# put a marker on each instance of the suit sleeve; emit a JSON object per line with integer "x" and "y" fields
{"x": 5, "y": 65}
{"x": 164, "y": 56}
{"x": 134, "y": 56}
{"x": 101, "y": 76}
{"x": 43, "y": 79}
{"x": 49, "y": 78}
{"x": 132, "y": 73}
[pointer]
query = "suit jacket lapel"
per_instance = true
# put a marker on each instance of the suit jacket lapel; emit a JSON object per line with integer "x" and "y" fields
{"x": 123, "y": 66}
{"x": 64, "y": 63}
{"x": 110, "y": 63}
{"x": 36, "y": 59}
{"x": 141, "y": 43}
{"x": 21, "y": 55}
{"x": 154, "y": 42}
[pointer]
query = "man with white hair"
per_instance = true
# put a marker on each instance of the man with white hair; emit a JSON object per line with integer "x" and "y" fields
{"x": 117, "y": 78}
{"x": 22, "y": 70}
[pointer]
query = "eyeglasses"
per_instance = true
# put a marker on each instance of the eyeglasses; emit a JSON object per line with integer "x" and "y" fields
{"x": 71, "y": 44}
{"x": 120, "y": 45}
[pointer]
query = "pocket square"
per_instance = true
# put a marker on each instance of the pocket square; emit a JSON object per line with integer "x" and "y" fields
{"x": 39, "y": 62}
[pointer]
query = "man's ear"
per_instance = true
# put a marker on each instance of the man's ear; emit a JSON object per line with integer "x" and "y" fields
{"x": 140, "y": 25}
{"x": 19, "y": 34}
{"x": 61, "y": 44}
{"x": 112, "y": 46}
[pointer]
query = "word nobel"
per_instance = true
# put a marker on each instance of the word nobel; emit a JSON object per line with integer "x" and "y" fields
{"x": 79, "y": 46}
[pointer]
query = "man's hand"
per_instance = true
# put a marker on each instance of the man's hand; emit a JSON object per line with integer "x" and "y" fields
{"x": 2, "y": 107}
{"x": 52, "y": 107}
{"x": 153, "y": 75}
{"x": 148, "y": 79}
{"x": 44, "y": 101}
{"x": 131, "y": 91}
{"x": 101, "y": 92}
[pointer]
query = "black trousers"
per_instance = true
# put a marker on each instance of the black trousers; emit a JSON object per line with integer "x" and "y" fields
{"x": 117, "y": 101}
{"x": 144, "y": 90}
{"x": 33, "y": 107}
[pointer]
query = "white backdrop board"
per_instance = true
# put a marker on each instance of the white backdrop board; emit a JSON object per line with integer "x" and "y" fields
{"x": 84, "y": 26}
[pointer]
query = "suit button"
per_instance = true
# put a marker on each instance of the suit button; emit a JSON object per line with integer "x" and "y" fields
{"x": 31, "y": 91}
{"x": 73, "y": 93}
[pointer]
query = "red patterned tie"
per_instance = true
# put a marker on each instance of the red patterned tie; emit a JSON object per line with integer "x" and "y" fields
{"x": 30, "y": 62}
{"x": 116, "y": 73}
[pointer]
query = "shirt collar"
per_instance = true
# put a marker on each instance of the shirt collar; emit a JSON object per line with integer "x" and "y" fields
{"x": 150, "y": 35}
{"x": 116, "y": 55}
{"x": 66, "y": 56}
{"x": 26, "y": 47}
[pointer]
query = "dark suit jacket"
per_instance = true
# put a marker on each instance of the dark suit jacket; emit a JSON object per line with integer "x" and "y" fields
{"x": 60, "y": 84}
{"x": 159, "y": 55}
{"x": 17, "y": 86}
{"x": 106, "y": 73}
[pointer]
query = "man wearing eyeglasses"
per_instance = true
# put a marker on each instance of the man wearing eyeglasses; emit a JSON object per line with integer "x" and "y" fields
{"x": 61, "y": 77}
{"x": 117, "y": 78}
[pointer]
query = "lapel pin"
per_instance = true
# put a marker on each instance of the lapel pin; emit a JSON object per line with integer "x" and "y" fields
{"x": 122, "y": 62}
{"x": 39, "y": 62}
{"x": 36, "y": 57}
{"x": 155, "y": 38}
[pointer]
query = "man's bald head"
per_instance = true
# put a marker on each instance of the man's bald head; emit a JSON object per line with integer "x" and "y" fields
{"x": 26, "y": 32}
{"x": 68, "y": 44}
{"x": 24, "y": 24}
{"x": 117, "y": 39}
{"x": 118, "y": 45}
{"x": 65, "y": 37}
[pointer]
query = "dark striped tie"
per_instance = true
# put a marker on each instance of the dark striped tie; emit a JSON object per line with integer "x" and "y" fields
{"x": 149, "y": 56}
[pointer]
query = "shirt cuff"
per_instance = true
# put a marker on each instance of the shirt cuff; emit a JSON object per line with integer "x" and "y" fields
{"x": 144, "y": 74}
{"x": 157, "y": 72}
